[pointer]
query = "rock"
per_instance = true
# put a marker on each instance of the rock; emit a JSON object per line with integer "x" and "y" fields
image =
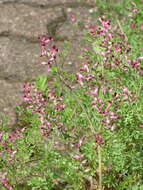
{"x": 10, "y": 97}
{"x": 21, "y": 22}
{"x": 24, "y": 20}
{"x": 19, "y": 60}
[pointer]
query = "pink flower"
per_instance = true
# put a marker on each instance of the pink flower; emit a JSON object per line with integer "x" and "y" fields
{"x": 106, "y": 25}
{"x": 14, "y": 135}
{"x": 113, "y": 127}
{"x": 94, "y": 104}
{"x": 95, "y": 92}
{"x": 140, "y": 58}
{"x": 72, "y": 17}
{"x": 141, "y": 26}
{"x": 89, "y": 77}
{"x": 51, "y": 94}
{"x": 6, "y": 183}
{"x": 85, "y": 68}
{"x": 113, "y": 115}
{"x": 1, "y": 135}
{"x": 44, "y": 39}
{"x": 141, "y": 126}
{"x": 44, "y": 63}
{"x": 95, "y": 65}
{"x": 50, "y": 52}
{"x": 43, "y": 51}
{"x": 80, "y": 142}
{"x": 99, "y": 139}
{"x": 78, "y": 156}
{"x": 60, "y": 107}
{"x": 126, "y": 91}
{"x": 93, "y": 29}
{"x": 107, "y": 121}
{"x": 133, "y": 25}
{"x": 80, "y": 78}
{"x": 108, "y": 106}
{"x": 141, "y": 73}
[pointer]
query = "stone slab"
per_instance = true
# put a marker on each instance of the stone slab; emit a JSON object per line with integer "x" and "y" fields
{"x": 25, "y": 20}
{"x": 21, "y": 22}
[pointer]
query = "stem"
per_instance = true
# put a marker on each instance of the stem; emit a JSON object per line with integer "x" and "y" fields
{"x": 119, "y": 24}
{"x": 100, "y": 167}
{"x": 90, "y": 126}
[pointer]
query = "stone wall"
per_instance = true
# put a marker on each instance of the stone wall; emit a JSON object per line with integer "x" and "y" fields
{"x": 21, "y": 21}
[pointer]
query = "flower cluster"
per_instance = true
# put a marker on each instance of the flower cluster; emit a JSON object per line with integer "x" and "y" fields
{"x": 104, "y": 109}
{"x": 48, "y": 50}
{"x": 113, "y": 49}
{"x": 73, "y": 17}
{"x": 8, "y": 152}
{"x": 103, "y": 30}
{"x": 137, "y": 64}
{"x": 85, "y": 76}
{"x": 33, "y": 98}
{"x": 99, "y": 139}
{"x": 113, "y": 52}
{"x": 38, "y": 103}
{"x": 6, "y": 182}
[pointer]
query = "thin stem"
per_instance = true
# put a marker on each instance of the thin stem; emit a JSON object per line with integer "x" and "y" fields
{"x": 100, "y": 167}
{"x": 62, "y": 78}
{"x": 91, "y": 125}
{"x": 119, "y": 24}
{"x": 92, "y": 129}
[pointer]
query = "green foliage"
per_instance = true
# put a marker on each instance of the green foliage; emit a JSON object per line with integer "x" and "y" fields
{"x": 68, "y": 157}
{"x": 42, "y": 82}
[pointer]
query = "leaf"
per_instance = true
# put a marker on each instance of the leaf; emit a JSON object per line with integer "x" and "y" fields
{"x": 42, "y": 82}
{"x": 97, "y": 48}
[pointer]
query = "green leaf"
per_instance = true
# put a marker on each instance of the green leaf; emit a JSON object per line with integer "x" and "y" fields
{"x": 42, "y": 82}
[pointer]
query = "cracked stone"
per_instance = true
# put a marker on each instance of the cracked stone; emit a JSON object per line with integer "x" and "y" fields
{"x": 20, "y": 50}
{"x": 24, "y": 20}
{"x": 10, "y": 97}
{"x": 19, "y": 60}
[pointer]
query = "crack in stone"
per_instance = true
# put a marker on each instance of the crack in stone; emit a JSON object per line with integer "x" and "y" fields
{"x": 44, "y": 6}
{"x": 11, "y": 78}
{"x": 52, "y": 28}
{"x": 16, "y": 36}
{"x": 33, "y": 40}
{"x": 14, "y": 78}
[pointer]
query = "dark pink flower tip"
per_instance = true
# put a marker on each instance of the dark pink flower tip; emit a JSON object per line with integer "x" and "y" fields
{"x": 72, "y": 17}
{"x": 85, "y": 68}
{"x": 1, "y": 134}
{"x": 99, "y": 139}
{"x": 54, "y": 48}
{"x": 44, "y": 63}
{"x": 60, "y": 107}
{"x": 78, "y": 156}
{"x": 6, "y": 183}
{"x": 141, "y": 126}
{"x": 141, "y": 26}
{"x": 44, "y": 39}
{"x": 94, "y": 92}
{"x": 80, "y": 78}
{"x": 108, "y": 106}
{"x": 140, "y": 58}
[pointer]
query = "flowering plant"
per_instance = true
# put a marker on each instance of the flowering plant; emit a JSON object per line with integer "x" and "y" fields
{"x": 81, "y": 131}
